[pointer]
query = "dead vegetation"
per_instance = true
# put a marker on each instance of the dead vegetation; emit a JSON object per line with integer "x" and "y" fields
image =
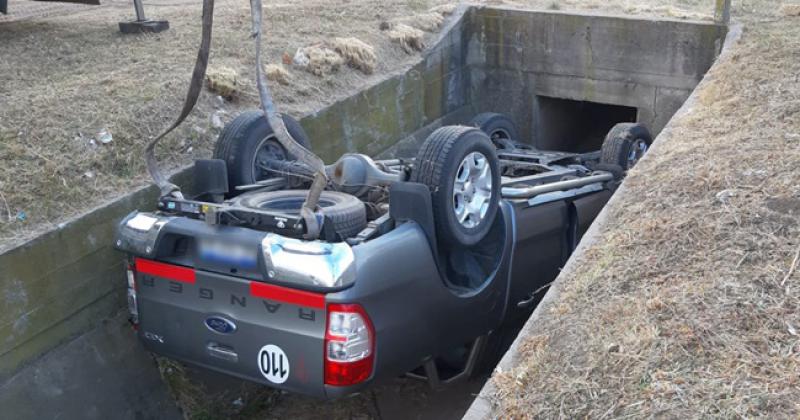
{"x": 223, "y": 81}
{"x": 790, "y": 9}
{"x": 688, "y": 305}
{"x": 277, "y": 73}
{"x": 356, "y": 53}
{"x": 318, "y": 60}
{"x": 410, "y": 39}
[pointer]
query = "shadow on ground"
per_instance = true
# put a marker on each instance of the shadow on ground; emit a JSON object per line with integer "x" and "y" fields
{"x": 204, "y": 394}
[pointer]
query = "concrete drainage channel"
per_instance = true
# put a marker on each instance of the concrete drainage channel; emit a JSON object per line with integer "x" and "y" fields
{"x": 565, "y": 79}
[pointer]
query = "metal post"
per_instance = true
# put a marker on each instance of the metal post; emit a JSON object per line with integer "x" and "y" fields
{"x": 137, "y": 5}
{"x": 722, "y": 12}
{"x": 142, "y": 24}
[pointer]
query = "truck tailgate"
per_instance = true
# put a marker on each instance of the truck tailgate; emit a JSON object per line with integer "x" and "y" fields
{"x": 254, "y": 330}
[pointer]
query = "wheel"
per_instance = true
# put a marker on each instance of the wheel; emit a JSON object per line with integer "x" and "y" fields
{"x": 247, "y": 141}
{"x": 347, "y": 213}
{"x": 625, "y": 144}
{"x": 499, "y": 127}
{"x": 498, "y": 342}
{"x": 460, "y": 166}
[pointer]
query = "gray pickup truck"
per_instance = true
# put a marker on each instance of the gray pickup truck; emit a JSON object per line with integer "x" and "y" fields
{"x": 419, "y": 266}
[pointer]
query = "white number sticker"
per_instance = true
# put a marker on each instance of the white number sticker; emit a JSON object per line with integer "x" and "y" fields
{"x": 273, "y": 364}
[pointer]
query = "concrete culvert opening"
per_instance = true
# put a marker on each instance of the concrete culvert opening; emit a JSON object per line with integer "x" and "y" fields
{"x": 575, "y": 126}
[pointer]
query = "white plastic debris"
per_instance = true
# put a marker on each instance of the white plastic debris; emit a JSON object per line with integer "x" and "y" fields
{"x": 300, "y": 58}
{"x": 104, "y": 136}
{"x": 725, "y": 195}
{"x": 216, "y": 119}
{"x": 219, "y": 101}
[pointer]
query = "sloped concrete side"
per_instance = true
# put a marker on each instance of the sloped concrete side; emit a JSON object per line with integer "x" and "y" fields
{"x": 103, "y": 374}
{"x": 64, "y": 282}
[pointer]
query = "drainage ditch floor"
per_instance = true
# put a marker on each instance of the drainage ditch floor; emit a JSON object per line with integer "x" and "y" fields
{"x": 204, "y": 395}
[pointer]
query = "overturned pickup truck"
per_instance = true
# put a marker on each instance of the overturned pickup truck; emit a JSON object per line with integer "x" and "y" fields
{"x": 418, "y": 266}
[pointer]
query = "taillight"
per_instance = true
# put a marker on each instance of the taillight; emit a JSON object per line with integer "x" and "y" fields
{"x": 349, "y": 345}
{"x": 133, "y": 306}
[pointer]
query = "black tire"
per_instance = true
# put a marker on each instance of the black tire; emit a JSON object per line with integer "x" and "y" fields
{"x": 620, "y": 141}
{"x": 437, "y": 165}
{"x": 497, "y": 344}
{"x": 499, "y": 127}
{"x": 347, "y": 213}
{"x": 242, "y": 138}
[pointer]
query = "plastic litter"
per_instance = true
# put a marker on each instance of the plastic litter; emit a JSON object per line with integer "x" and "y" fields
{"x": 104, "y": 136}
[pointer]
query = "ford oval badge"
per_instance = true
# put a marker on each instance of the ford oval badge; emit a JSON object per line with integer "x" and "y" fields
{"x": 220, "y": 325}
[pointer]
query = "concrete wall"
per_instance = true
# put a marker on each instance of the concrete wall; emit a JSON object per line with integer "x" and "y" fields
{"x": 65, "y": 282}
{"x": 652, "y": 65}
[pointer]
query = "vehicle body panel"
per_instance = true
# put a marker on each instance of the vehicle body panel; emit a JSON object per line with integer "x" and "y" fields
{"x": 399, "y": 282}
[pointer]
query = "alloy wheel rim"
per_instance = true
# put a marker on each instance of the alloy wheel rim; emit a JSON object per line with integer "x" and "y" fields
{"x": 472, "y": 190}
{"x": 638, "y": 149}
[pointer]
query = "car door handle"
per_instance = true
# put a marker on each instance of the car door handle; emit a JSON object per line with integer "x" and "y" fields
{"x": 222, "y": 352}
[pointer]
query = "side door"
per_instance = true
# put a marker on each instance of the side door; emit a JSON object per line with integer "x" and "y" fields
{"x": 541, "y": 250}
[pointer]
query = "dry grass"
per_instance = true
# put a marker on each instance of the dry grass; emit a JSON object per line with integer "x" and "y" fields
{"x": 277, "y": 73}
{"x": 223, "y": 81}
{"x": 356, "y": 53}
{"x": 410, "y": 39}
{"x": 318, "y": 60}
{"x": 790, "y": 9}
{"x": 243, "y": 400}
{"x": 687, "y": 306}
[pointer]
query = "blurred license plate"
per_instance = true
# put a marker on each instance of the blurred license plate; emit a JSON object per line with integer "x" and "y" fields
{"x": 227, "y": 253}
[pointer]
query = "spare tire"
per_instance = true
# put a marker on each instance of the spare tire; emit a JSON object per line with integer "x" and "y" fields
{"x": 460, "y": 166}
{"x": 347, "y": 213}
{"x": 248, "y": 139}
{"x": 625, "y": 144}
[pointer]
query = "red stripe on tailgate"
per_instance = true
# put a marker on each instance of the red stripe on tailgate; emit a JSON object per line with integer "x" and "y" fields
{"x": 167, "y": 271}
{"x": 287, "y": 295}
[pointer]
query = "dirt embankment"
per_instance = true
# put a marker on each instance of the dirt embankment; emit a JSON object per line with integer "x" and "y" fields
{"x": 688, "y": 304}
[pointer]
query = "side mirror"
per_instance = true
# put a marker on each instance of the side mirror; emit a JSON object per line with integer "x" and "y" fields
{"x": 210, "y": 180}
